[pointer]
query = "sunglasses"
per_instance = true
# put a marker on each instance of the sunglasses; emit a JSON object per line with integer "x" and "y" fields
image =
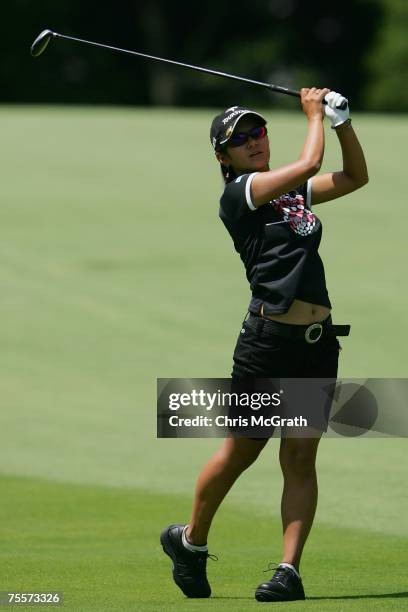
{"x": 240, "y": 138}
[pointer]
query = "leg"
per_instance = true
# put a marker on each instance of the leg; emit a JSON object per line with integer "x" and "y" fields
{"x": 299, "y": 499}
{"x": 216, "y": 479}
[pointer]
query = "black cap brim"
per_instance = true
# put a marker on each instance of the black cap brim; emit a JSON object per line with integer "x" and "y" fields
{"x": 232, "y": 127}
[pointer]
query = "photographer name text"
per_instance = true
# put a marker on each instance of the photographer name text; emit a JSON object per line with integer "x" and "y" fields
{"x": 225, "y": 421}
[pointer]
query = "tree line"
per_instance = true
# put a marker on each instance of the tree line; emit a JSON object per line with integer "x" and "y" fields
{"x": 358, "y": 47}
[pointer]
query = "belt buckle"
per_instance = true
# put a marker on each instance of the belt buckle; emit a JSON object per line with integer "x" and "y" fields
{"x": 312, "y": 328}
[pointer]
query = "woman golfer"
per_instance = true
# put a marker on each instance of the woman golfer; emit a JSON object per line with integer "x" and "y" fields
{"x": 289, "y": 332}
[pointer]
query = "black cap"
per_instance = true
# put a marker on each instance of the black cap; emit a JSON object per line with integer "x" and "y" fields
{"x": 224, "y": 124}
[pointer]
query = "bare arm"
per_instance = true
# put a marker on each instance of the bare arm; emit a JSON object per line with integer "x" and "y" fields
{"x": 353, "y": 176}
{"x": 268, "y": 185}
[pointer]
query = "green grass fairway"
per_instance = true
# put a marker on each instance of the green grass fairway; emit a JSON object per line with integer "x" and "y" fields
{"x": 99, "y": 545}
{"x": 116, "y": 270}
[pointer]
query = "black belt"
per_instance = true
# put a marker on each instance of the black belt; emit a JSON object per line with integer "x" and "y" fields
{"x": 311, "y": 333}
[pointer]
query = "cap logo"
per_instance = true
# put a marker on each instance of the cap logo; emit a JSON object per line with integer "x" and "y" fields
{"x": 214, "y": 142}
{"x": 231, "y": 115}
{"x": 229, "y": 131}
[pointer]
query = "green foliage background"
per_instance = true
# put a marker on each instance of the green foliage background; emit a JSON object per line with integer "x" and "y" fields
{"x": 358, "y": 47}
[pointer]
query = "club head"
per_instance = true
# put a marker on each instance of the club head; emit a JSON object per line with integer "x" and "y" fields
{"x": 40, "y": 44}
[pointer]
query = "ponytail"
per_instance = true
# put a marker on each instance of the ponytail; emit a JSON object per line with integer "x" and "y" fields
{"x": 228, "y": 174}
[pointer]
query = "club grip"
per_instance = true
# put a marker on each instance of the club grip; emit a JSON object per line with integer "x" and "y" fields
{"x": 296, "y": 93}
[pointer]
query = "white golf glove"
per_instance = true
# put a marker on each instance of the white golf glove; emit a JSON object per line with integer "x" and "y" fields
{"x": 333, "y": 112}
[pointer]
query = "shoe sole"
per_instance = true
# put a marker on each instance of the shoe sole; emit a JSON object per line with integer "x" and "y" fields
{"x": 264, "y": 595}
{"x": 168, "y": 550}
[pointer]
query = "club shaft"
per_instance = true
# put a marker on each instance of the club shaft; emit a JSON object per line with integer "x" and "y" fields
{"x": 277, "y": 88}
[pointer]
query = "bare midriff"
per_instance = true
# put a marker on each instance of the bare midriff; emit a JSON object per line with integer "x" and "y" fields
{"x": 300, "y": 313}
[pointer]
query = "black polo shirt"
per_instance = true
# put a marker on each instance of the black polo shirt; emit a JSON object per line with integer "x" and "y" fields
{"x": 278, "y": 244}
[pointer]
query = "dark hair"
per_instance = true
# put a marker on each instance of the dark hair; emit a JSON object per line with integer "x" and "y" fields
{"x": 228, "y": 174}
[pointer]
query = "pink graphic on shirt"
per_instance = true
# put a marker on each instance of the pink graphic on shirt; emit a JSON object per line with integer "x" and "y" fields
{"x": 292, "y": 209}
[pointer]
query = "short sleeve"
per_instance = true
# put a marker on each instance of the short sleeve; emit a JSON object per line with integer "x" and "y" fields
{"x": 236, "y": 201}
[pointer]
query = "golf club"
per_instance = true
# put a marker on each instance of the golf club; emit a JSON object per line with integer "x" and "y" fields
{"x": 41, "y": 42}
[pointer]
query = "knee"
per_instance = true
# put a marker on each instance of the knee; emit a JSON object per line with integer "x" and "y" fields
{"x": 298, "y": 462}
{"x": 240, "y": 453}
